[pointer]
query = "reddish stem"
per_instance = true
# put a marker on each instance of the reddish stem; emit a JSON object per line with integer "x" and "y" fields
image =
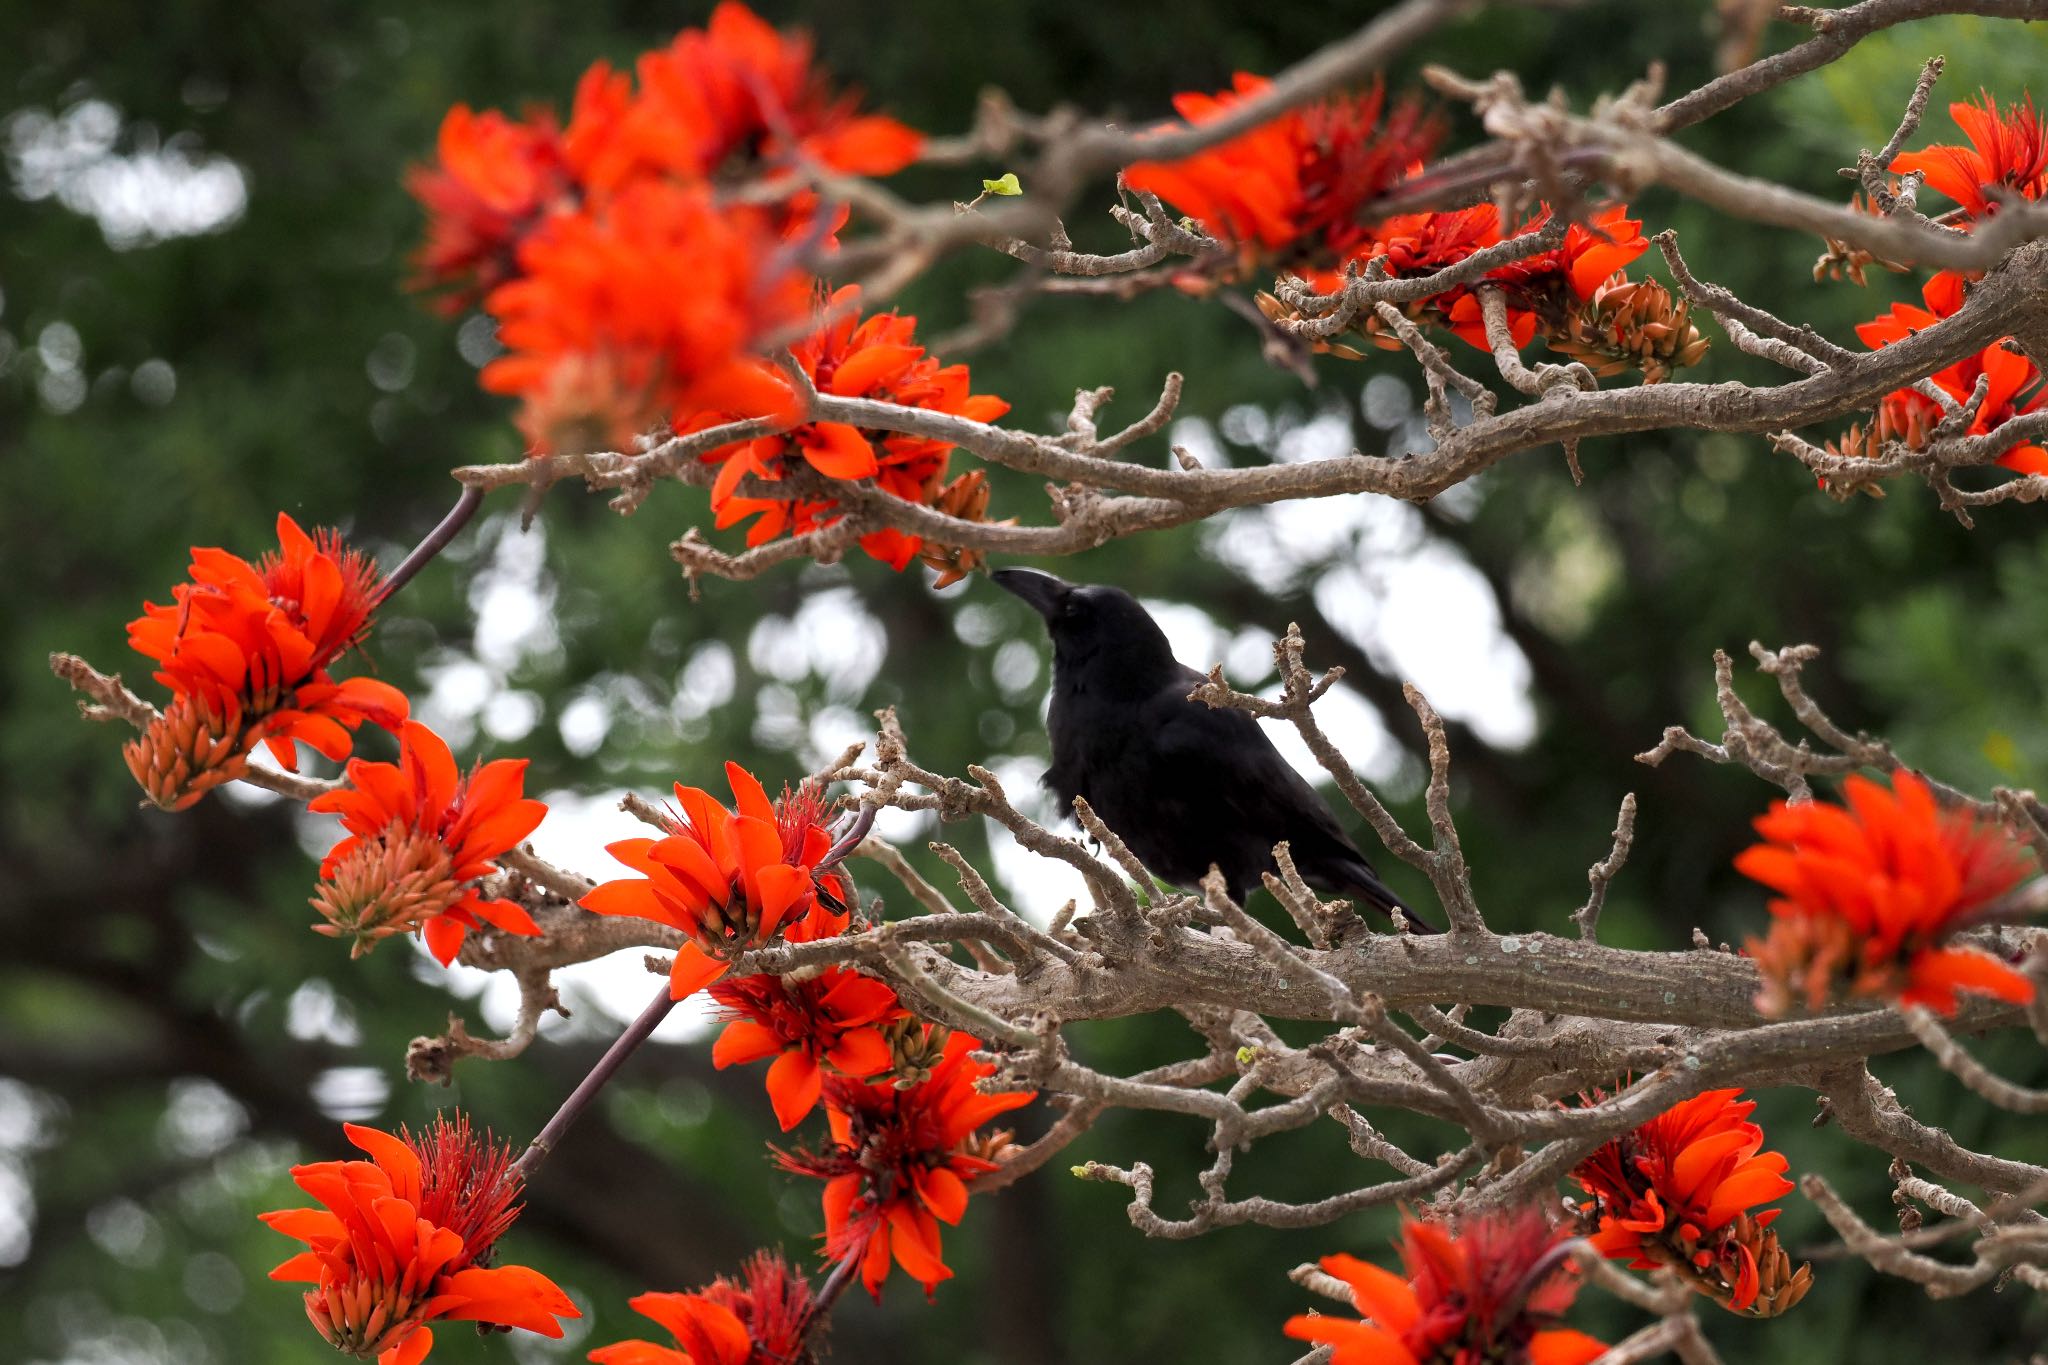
{"x": 821, "y": 1307}
{"x": 579, "y": 1099}
{"x": 436, "y": 541}
{"x": 863, "y": 821}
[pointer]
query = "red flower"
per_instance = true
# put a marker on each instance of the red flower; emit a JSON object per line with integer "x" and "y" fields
{"x": 1677, "y": 1191}
{"x": 2008, "y": 149}
{"x": 650, "y": 303}
{"x": 876, "y": 358}
{"x": 729, "y": 99}
{"x": 1494, "y": 1291}
{"x": 244, "y": 649}
{"x": 800, "y": 818}
{"x": 2014, "y": 384}
{"x": 1870, "y": 896}
{"x": 1542, "y": 291}
{"x": 1292, "y": 186}
{"x": 420, "y": 834}
{"x": 900, "y": 1160}
{"x": 761, "y": 1322}
{"x": 804, "y": 1023}
{"x": 402, "y": 1240}
{"x": 493, "y": 180}
{"x": 1569, "y": 274}
{"x": 729, "y": 881}
{"x": 1422, "y": 243}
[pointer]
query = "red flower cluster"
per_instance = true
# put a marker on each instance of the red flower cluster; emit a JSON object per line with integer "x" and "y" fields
{"x": 2008, "y": 150}
{"x": 874, "y": 358}
{"x": 632, "y": 294}
{"x": 625, "y": 294}
{"x": 405, "y": 1238}
{"x": 1677, "y": 1191}
{"x": 1548, "y": 288}
{"x": 2013, "y": 384}
{"x": 900, "y": 1161}
{"x": 419, "y": 836}
{"x": 1495, "y": 1290}
{"x": 1869, "y": 897}
{"x": 732, "y": 100}
{"x": 245, "y": 650}
{"x": 1576, "y": 296}
{"x": 806, "y": 1023}
{"x": 764, "y": 1319}
{"x": 1288, "y": 192}
{"x": 730, "y": 880}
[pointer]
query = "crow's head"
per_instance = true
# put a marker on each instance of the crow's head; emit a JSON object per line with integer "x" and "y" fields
{"x": 1093, "y": 625}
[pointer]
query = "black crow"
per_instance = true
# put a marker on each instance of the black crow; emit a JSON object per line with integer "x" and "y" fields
{"x": 1183, "y": 783}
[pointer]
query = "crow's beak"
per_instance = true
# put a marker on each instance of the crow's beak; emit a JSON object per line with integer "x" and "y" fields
{"x": 1041, "y": 590}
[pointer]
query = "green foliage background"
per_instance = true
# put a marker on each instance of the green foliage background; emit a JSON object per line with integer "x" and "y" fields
{"x": 171, "y": 1037}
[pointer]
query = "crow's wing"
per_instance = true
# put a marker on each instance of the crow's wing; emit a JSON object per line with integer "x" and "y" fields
{"x": 1246, "y": 773}
{"x": 1218, "y": 766}
{"x": 1243, "y": 797}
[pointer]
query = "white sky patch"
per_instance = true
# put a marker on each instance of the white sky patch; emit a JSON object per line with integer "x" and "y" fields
{"x": 1197, "y": 640}
{"x": 29, "y": 1121}
{"x": 1035, "y": 887}
{"x": 1276, "y": 545}
{"x": 1200, "y": 643}
{"x": 584, "y": 723}
{"x": 351, "y": 1094}
{"x": 1432, "y": 619}
{"x": 1352, "y": 724}
{"x": 316, "y": 1012}
{"x": 832, "y": 637}
{"x": 906, "y": 828}
{"x": 706, "y": 682}
{"x": 510, "y": 716}
{"x": 1412, "y": 601}
{"x": 832, "y": 730}
{"x": 17, "y": 1211}
{"x": 513, "y": 601}
{"x": 140, "y": 188}
{"x": 458, "y": 690}
{"x": 199, "y": 1119}
{"x": 1326, "y": 436}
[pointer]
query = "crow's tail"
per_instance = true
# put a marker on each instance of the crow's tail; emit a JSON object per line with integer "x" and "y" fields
{"x": 1367, "y": 886}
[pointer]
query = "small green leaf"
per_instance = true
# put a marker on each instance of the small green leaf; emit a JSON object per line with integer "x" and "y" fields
{"x": 1004, "y": 184}
{"x": 1247, "y": 1055}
